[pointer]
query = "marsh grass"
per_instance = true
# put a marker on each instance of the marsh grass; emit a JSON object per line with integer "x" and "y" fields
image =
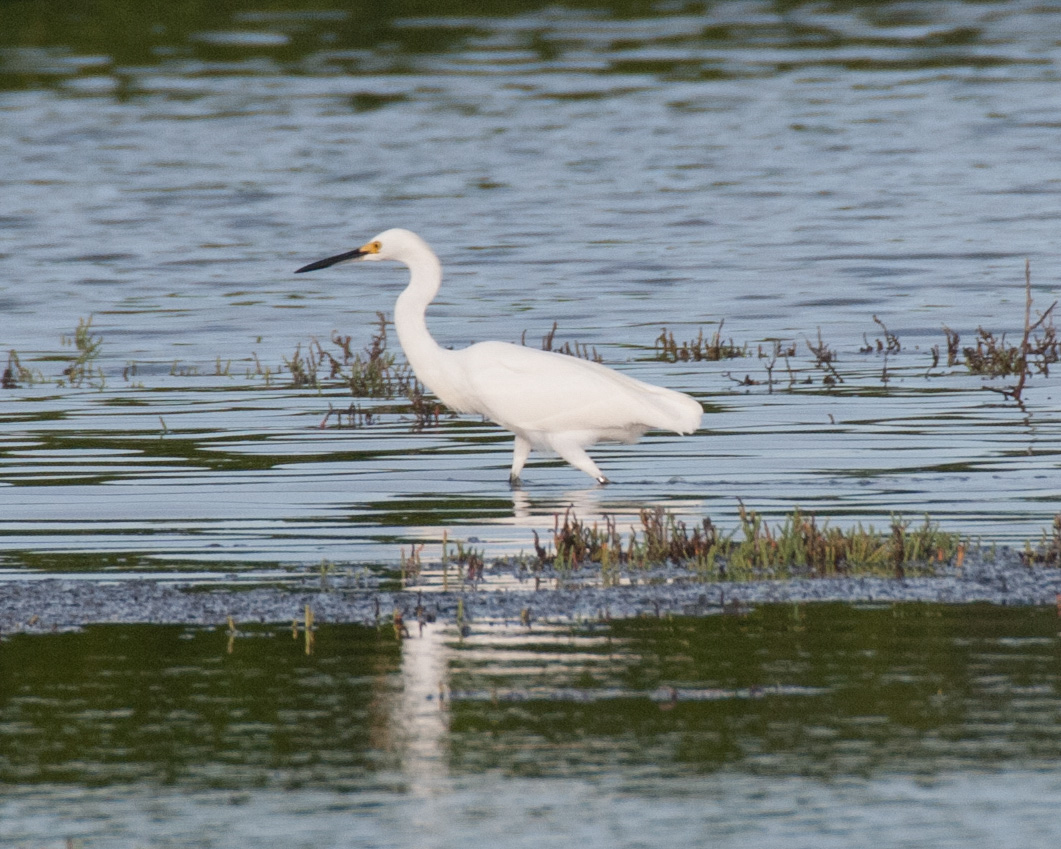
{"x": 953, "y": 345}
{"x": 83, "y": 368}
{"x": 801, "y": 546}
{"x": 824, "y": 359}
{"x": 304, "y": 366}
{"x": 571, "y": 349}
{"x": 355, "y": 417}
{"x": 992, "y": 356}
{"x": 884, "y": 347}
{"x": 372, "y": 372}
{"x": 1048, "y": 552}
{"x": 16, "y": 374}
{"x": 469, "y": 563}
{"x": 412, "y": 566}
{"x": 425, "y": 409}
{"x": 806, "y": 548}
{"x": 1037, "y": 350}
{"x": 712, "y": 349}
{"x": 889, "y": 345}
{"x": 778, "y": 351}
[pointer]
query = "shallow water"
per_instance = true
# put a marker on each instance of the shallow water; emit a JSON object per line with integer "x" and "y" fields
{"x": 789, "y": 725}
{"x": 618, "y": 168}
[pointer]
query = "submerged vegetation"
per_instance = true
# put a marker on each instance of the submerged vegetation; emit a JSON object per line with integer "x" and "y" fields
{"x": 714, "y": 349}
{"x": 991, "y": 357}
{"x": 571, "y": 349}
{"x": 16, "y": 374}
{"x": 376, "y": 373}
{"x": 371, "y": 373}
{"x": 82, "y": 367}
{"x": 1035, "y": 353}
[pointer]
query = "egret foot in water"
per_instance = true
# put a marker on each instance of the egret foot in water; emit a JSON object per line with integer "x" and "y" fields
{"x": 550, "y": 401}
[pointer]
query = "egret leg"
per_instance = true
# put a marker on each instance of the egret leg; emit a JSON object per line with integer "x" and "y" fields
{"x": 576, "y": 455}
{"x": 520, "y": 451}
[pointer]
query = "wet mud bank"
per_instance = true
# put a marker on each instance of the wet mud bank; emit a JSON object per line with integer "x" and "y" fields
{"x": 42, "y": 605}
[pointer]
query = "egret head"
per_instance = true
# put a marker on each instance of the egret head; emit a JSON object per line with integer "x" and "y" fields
{"x": 396, "y": 244}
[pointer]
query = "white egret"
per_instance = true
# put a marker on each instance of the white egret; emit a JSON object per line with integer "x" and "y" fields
{"x": 550, "y": 401}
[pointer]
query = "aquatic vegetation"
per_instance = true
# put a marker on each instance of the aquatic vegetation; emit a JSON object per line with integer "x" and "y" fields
{"x": 886, "y": 347}
{"x": 992, "y": 356}
{"x": 889, "y": 345}
{"x": 469, "y": 561}
{"x": 303, "y": 367}
{"x": 576, "y": 542}
{"x": 1039, "y": 347}
{"x": 953, "y": 345}
{"x": 15, "y": 373}
{"x": 375, "y": 372}
{"x": 88, "y": 350}
{"x": 670, "y": 350}
{"x": 179, "y": 369}
{"x": 309, "y": 630}
{"x": 582, "y": 352}
{"x": 769, "y": 360}
{"x": 824, "y": 358}
{"x": 665, "y": 538}
{"x": 800, "y": 546}
{"x": 401, "y": 630}
{"x": 1048, "y": 552}
{"x": 426, "y": 410}
{"x": 355, "y": 416}
{"x": 953, "y": 350}
{"x": 411, "y": 566}
{"x": 371, "y": 373}
{"x": 231, "y": 632}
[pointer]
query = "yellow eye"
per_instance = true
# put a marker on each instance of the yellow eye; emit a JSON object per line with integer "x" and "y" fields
{"x": 374, "y": 247}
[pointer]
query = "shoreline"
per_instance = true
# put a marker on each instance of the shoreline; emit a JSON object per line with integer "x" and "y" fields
{"x": 43, "y": 604}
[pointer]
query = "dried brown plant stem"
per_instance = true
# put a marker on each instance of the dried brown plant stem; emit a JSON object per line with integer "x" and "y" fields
{"x": 1025, "y": 342}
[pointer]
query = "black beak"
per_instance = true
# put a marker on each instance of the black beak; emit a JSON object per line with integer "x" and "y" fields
{"x": 332, "y": 260}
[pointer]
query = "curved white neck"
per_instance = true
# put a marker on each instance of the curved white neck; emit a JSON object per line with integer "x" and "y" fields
{"x": 424, "y": 354}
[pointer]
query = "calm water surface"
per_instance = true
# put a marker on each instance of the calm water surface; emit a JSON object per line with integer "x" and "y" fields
{"x": 780, "y": 169}
{"x": 827, "y": 725}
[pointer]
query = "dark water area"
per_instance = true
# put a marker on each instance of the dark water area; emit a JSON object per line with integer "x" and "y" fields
{"x": 782, "y": 724}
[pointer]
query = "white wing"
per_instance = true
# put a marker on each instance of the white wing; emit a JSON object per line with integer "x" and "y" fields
{"x": 526, "y": 390}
